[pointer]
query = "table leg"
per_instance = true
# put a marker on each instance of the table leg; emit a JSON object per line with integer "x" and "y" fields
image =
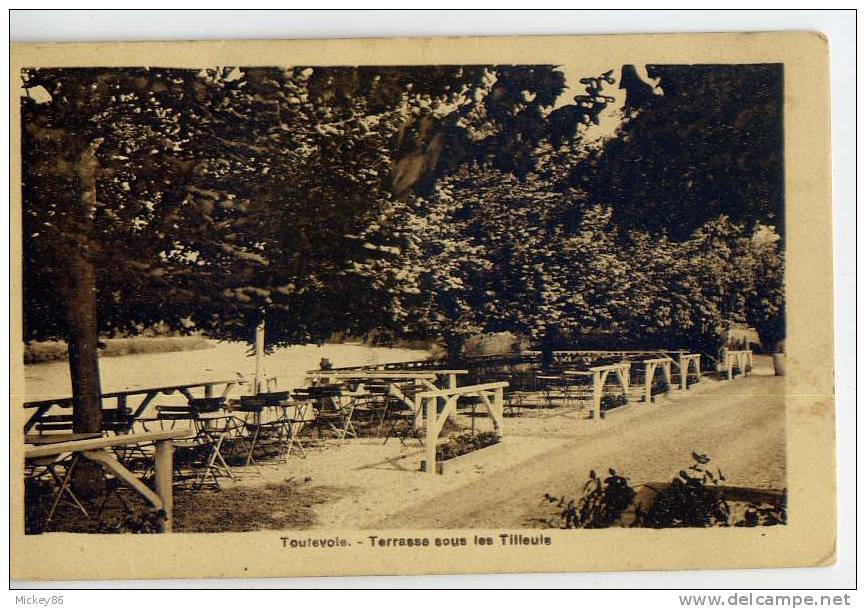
{"x": 162, "y": 498}
{"x": 164, "y": 472}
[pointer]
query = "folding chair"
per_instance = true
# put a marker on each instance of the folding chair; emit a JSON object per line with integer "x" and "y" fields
{"x": 514, "y": 400}
{"x": 549, "y": 385}
{"x": 400, "y": 417}
{"x": 257, "y": 432}
{"x": 58, "y": 470}
{"x": 293, "y": 424}
{"x": 58, "y": 428}
{"x": 376, "y": 405}
{"x": 284, "y": 428}
{"x": 366, "y": 409}
{"x": 217, "y": 429}
{"x": 333, "y": 413}
{"x": 203, "y": 444}
{"x": 303, "y": 418}
{"x": 50, "y": 429}
{"x": 119, "y": 421}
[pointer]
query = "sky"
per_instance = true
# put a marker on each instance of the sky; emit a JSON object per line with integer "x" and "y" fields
{"x": 611, "y": 117}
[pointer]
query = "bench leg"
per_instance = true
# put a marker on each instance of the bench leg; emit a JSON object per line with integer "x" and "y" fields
{"x": 164, "y": 469}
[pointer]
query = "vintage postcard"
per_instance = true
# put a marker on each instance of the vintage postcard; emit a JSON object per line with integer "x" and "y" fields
{"x": 420, "y": 306}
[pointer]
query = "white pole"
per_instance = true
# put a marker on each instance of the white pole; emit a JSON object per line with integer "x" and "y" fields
{"x": 259, "y": 383}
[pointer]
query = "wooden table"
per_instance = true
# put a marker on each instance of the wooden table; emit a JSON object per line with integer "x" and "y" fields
{"x": 124, "y": 403}
{"x": 55, "y": 438}
{"x": 98, "y": 449}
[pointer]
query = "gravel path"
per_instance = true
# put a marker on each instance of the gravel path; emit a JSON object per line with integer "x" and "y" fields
{"x": 740, "y": 424}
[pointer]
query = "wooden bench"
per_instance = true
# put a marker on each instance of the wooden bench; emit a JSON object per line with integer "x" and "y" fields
{"x": 98, "y": 450}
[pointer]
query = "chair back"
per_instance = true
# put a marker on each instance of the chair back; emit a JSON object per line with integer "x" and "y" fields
{"x": 250, "y": 403}
{"x": 323, "y": 395}
{"x": 206, "y": 404}
{"x": 176, "y": 413}
{"x": 117, "y": 420}
{"x": 274, "y": 398}
{"x": 324, "y": 391}
{"x": 469, "y": 400}
{"x": 54, "y": 423}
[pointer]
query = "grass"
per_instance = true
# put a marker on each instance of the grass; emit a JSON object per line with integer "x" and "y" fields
{"x": 56, "y": 350}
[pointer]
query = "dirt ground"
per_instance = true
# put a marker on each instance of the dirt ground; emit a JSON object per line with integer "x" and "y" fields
{"x": 739, "y": 424}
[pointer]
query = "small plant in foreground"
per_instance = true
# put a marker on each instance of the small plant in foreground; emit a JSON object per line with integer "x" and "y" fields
{"x": 602, "y": 505}
{"x": 694, "y": 498}
{"x": 765, "y": 513}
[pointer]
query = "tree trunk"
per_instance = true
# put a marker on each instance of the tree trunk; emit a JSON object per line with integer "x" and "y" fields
{"x": 454, "y": 346}
{"x": 82, "y": 328}
{"x": 547, "y": 348}
{"x": 82, "y": 336}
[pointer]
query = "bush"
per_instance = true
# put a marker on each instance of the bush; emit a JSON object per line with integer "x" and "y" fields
{"x": 55, "y": 350}
{"x": 613, "y": 400}
{"x": 694, "y": 498}
{"x": 465, "y": 443}
{"x": 602, "y": 505}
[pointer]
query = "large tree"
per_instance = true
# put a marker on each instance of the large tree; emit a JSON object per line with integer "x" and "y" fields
{"x": 707, "y": 143}
{"x": 208, "y": 200}
{"x": 104, "y": 166}
{"x": 491, "y": 200}
{"x": 525, "y": 247}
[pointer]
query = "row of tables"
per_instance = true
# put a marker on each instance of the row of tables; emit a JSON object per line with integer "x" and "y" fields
{"x": 42, "y": 449}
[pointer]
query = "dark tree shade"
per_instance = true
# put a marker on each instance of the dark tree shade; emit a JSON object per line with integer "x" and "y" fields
{"x": 710, "y": 145}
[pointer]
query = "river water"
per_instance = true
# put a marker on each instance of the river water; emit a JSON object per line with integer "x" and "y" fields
{"x": 222, "y": 362}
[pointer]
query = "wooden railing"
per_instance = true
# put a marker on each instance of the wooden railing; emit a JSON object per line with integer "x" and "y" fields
{"x": 97, "y": 450}
{"x": 599, "y": 376}
{"x": 427, "y": 403}
{"x": 135, "y": 401}
{"x": 684, "y": 363}
{"x": 650, "y": 367}
{"x": 410, "y": 365}
{"x": 741, "y": 359}
{"x": 574, "y": 355}
{"x": 444, "y": 377}
{"x": 622, "y": 372}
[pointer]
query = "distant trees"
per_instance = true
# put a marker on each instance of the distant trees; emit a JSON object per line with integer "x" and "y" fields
{"x": 662, "y": 235}
{"x": 497, "y": 254}
{"x": 623, "y": 250}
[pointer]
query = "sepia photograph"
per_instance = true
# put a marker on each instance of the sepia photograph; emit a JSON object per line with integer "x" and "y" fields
{"x": 437, "y": 304}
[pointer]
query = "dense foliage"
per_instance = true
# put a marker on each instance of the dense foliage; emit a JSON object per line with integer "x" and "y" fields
{"x": 410, "y": 201}
{"x": 711, "y": 144}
